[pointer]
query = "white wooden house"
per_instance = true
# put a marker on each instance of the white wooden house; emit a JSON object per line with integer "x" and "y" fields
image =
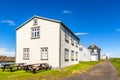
{"x": 43, "y": 40}
{"x": 84, "y": 54}
{"x": 106, "y": 56}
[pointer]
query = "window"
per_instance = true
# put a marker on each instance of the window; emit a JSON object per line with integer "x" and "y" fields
{"x": 95, "y": 50}
{"x": 84, "y": 55}
{"x": 72, "y": 40}
{"x": 76, "y": 56}
{"x": 35, "y": 32}
{"x": 72, "y": 55}
{"x": 76, "y": 45}
{"x": 35, "y": 22}
{"x": 44, "y": 53}
{"x": 90, "y": 50}
{"x": 92, "y": 46}
{"x": 66, "y": 55}
{"x": 26, "y": 53}
{"x": 67, "y": 36}
{"x": 81, "y": 49}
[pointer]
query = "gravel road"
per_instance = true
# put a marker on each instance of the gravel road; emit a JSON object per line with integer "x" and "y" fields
{"x": 102, "y": 71}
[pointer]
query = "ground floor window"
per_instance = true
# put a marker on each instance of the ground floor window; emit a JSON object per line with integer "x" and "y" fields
{"x": 44, "y": 53}
{"x": 76, "y": 56}
{"x": 26, "y": 53}
{"x": 66, "y": 55}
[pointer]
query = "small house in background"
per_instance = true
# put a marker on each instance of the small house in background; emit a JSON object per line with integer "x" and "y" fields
{"x": 105, "y": 56}
{"x": 95, "y": 52}
{"x": 84, "y": 54}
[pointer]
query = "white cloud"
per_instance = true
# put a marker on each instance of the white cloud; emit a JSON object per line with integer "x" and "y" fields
{"x": 79, "y": 33}
{"x": 3, "y": 51}
{"x": 67, "y": 12}
{"x": 9, "y": 22}
{"x": 10, "y": 53}
{"x": 118, "y": 30}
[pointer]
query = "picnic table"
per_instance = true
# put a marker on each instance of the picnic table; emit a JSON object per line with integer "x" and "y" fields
{"x": 7, "y": 66}
{"x": 26, "y": 67}
{"x": 34, "y": 67}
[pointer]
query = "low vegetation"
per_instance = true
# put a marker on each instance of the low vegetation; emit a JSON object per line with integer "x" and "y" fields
{"x": 7, "y": 59}
{"x": 116, "y": 63}
{"x": 47, "y": 75}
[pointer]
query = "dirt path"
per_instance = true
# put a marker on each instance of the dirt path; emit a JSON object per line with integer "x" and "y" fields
{"x": 102, "y": 71}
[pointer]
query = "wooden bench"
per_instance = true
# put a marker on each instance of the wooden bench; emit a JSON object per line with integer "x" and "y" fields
{"x": 8, "y": 66}
{"x": 34, "y": 67}
{"x": 44, "y": 66}
{"x": 30, "y": 67}
{"x": 19, "y": 65}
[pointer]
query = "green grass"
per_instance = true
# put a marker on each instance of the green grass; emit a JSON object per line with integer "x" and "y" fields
{"x": 47, "y": 75}
{"x": 116, "y": 63}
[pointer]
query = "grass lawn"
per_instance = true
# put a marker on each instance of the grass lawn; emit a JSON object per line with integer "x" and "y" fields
{"x": 47, "y": 75}
{"x": 116, "y": 63}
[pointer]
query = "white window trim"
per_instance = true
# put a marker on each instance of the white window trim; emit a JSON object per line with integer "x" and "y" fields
{"x": 66, "y": 55}
{"x": 76, "y": 56}
{"x": 72, "y": 55}
{"x": 35, "y": 22}
{"x": 26, "y": 53}
{"x": 44, "y": 53}
{"x": 95, "y": 50}
{"x": 34, "y": 32}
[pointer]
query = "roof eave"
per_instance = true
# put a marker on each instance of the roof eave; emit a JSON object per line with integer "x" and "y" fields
{"x": 69, "y": 30}
{"x": 57, "y": 21}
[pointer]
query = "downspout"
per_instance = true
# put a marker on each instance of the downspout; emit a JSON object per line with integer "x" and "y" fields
{"x": 60, "y": 47}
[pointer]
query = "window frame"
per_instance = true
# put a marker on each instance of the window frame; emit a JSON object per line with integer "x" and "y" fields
{"x": 72, "y": 40}
{"x": 67, "y": 36}
{"x": 44, "y": 53}
{"x": 72, "y": 55}
{"x": 35, "y": 22}
{"x": 80, "y": 48}
{"x": 35, "y": 32}
{"x": 24, "y": 53}
{"x": 66, "y": 57}
{"x": 95, "y": 50}
{"x": 76, "y": 56}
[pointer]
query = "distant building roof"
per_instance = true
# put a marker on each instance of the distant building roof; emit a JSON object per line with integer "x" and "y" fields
{"x": 93, "y": 46}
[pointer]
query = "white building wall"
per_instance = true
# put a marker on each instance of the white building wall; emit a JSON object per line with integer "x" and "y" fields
{"x": 66, "y": 45}
{"x": 94, "y": 57}
{"x": 49, "y": 37}
{"x": 84, "y": 54}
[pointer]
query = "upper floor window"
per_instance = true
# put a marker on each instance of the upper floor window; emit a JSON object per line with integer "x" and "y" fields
{"x": 72, "y": 40}
{"x": 95, "y": 50}
{"x": 92, "y": 46}
{"x": 76, "y": 45}
{"x": 35, "y": 32}
{"x": 35, "y": 22}
{"x": 26, "y": 53}
{"x": 44, "y": 53}
{"x": 90, "y": 50}
{"x": 66, "y": 55}
{"x": 66, "y": 36}
{"x": 81, "y": 49}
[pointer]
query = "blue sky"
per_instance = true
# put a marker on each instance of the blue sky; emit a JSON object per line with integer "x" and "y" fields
{"x": 94, "y": 21}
